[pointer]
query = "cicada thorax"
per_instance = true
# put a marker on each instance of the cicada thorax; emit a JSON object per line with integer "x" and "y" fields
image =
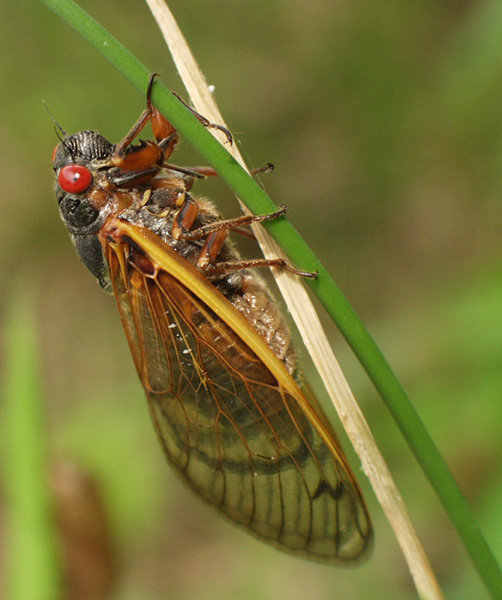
{"x": 242, "y": 287}
{"x": 212, "y": 349}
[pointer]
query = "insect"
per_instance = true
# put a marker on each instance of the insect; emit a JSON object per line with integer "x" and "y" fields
{"x": 211, "y": 348}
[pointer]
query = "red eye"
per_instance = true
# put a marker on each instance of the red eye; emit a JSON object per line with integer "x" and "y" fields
{"x": 54, "y": 152}
{"x": 74, "y": 179}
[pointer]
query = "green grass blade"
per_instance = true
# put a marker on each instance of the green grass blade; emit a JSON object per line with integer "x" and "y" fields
{"x": 32, "y": 558}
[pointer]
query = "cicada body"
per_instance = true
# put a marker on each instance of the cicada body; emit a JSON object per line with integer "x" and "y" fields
{"x": 211, "y": 348}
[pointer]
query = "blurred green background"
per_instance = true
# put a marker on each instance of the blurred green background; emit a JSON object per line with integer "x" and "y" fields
{"x": 384, "y": 122}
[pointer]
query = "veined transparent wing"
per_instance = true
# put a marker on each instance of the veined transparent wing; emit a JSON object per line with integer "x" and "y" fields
{"x": 230, "y": 418}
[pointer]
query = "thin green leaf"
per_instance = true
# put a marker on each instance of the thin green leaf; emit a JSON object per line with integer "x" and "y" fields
{"x": 32, "y": 556}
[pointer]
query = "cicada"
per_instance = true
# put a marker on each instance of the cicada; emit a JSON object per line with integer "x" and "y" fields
{"x": 211, "y": 348}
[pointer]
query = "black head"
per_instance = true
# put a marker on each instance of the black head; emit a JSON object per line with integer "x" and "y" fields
{"x": 76, "y": 162}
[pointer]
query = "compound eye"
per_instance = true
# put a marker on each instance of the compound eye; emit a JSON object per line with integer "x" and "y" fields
{"x": 75, "y": 179}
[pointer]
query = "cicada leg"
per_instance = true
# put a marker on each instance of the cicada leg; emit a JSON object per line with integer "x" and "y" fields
{"x": 203, "y": 172}
{"x": 259, "y": 262}
{"x": 150, "y": 154}
{"x": 216, "y": 234}
{"x": 146, "y": 154}
{"x": 205, "y": 121}
{"x": 187, "y": 214}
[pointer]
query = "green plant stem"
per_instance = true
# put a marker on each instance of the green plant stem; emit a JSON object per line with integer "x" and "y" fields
{"x": 324, "y": 287}
{"x": 34, "y": 570}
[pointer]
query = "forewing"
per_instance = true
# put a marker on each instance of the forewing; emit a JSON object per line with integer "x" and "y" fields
{"x": 237, "y": 436}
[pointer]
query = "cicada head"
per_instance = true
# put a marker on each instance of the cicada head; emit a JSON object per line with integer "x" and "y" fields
{"x": 77, "y": 162}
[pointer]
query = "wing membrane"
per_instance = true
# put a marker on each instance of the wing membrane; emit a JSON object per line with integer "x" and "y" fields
{"x": 237, "y": 434}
